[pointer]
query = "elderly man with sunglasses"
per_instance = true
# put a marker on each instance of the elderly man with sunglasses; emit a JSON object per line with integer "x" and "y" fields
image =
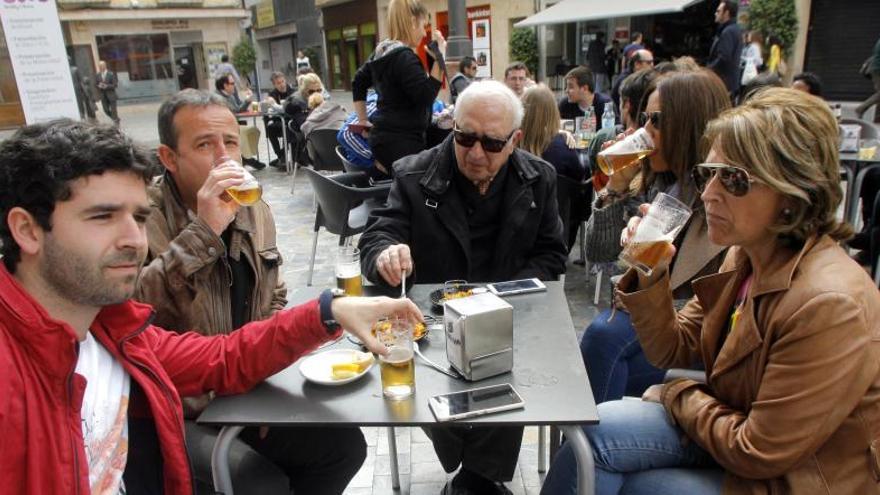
{"x": 477, "y": 208}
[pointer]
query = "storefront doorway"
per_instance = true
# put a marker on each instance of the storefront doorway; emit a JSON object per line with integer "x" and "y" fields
{"x": 185, "y": 63}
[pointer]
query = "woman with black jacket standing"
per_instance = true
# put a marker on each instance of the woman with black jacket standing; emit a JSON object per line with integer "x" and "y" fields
{"x": 406, "y": 91}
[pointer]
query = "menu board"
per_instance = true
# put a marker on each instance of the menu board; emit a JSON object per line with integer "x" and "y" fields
{"x": 39, "y": 59}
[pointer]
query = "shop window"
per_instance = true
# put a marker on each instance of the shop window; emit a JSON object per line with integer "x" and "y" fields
{"x": 144, "y": 57}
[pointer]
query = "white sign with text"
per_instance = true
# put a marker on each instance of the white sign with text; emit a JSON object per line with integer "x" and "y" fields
{"x": 39, "y": 59}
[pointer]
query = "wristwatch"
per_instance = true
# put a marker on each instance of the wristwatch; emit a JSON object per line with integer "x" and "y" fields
{"x": 325, "y": 301}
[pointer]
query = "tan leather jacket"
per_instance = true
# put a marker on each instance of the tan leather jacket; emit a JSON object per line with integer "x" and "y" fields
{"x": 187, "y": 277}
{"x": 792, "y": 399}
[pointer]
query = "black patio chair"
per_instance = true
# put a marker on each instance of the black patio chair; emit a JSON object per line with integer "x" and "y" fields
{"x": 344, "y": 203}
{"x": 321, "y": 146}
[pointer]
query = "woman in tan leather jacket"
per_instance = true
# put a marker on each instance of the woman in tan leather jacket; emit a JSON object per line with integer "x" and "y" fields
{"x": 789, "y": 331}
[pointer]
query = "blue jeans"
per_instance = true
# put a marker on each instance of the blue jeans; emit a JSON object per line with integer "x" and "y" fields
{"x": 615, "y": 362}
{"x": 637, "y": 452}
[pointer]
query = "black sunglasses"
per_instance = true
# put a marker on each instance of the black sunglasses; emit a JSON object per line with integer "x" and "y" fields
{"x": 313, "y": 91}
{"x": 490, "y": 145}
{"x": 735, "y": 180}
{"x": 653, "y": 117}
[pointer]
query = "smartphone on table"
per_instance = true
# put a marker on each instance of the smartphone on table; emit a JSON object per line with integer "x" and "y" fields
{"x": 512, "y": 287}
{"x": 475, "y": 402}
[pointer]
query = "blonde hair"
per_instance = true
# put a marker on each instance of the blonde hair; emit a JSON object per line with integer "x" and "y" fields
{"x": 686, "y": 63}
{"x": 315, "y": 100}
{"x": 788, "y": 140}
{"x": 306, "y": 80}
{"x": 540, "y": 121}
{"x": 401, "y": 14}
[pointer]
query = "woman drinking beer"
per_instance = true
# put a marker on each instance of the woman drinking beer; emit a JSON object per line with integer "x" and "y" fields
{"x": 679, "y": 105}
{"x": 789, "y": 330}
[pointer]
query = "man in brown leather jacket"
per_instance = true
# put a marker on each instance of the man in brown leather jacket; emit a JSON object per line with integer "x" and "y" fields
{"x": 213, "y": 265}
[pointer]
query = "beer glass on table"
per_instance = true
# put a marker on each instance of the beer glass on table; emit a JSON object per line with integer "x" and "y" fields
{"x": 626, "y": 152}
{"x": 655, "y": 233}
{"x": 348, "y": 271}
{"x": 246, "y": 193}
{"x": 397, "y": 367}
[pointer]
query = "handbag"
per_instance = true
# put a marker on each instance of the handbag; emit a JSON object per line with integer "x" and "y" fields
{"x": 865, "y": 69}
{"x": 749, "y": 73}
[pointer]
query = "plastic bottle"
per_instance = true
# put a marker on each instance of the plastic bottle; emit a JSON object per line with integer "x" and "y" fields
{"x": 608, "y": 116}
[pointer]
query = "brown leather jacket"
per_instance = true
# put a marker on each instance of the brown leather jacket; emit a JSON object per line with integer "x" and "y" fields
{"x": 792, "y": 399}
{"x": 187, "y": 278}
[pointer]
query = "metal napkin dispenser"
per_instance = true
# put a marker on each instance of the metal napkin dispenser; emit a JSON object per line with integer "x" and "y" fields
{"x": 479, "y": 335}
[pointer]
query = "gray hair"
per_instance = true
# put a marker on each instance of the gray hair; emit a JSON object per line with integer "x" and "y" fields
{"x": 490, "y": 90}
{"x": 185, "y": 98}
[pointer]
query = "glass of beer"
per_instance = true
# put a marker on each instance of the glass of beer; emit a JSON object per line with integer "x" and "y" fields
{"x": 655, "y": 233}
{"x": 628, "y": 151}
{"x": 397, "y": 368}
{"x": 348, "y": 271}
{"x": 246, "y": 193}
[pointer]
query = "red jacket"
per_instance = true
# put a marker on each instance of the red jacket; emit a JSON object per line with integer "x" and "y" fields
{"x": 42, "y": 450}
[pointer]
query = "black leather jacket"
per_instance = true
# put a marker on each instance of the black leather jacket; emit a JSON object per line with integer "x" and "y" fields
{"x": 426, "y": 212}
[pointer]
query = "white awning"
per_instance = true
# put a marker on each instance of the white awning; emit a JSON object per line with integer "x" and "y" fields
{"x": 585, "y": 10}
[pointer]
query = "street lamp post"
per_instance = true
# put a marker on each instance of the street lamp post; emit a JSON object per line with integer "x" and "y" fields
{"x": 459, "y": 44}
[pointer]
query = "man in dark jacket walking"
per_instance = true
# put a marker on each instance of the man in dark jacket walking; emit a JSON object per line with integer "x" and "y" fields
{"x": 106, "y": 82}
{"x": 475, "y": 208}
{"x": 724, "y": 56}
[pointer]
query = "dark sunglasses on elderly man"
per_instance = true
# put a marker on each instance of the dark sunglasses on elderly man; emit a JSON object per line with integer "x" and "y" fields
{"x": 735, "y": 180}
{"x": 653, "y": 117}
{"x": 490, "y": 145}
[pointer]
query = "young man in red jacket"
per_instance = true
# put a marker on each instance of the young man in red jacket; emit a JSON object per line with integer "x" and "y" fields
{"x": 89, "y": 389}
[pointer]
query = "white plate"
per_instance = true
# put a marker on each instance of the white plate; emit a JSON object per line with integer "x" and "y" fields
{"x": 318, "y": 368}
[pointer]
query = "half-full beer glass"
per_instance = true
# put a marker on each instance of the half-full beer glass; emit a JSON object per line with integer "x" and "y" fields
{"x": 628, "y": 151}
{"x": 348, "y": 271}
{"x": 397, "y": 368}
{"x": 655, "y": 233}
{"x": 246, "y": 193}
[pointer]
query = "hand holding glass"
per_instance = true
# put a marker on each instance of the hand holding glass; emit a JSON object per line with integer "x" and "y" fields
{"x": 626, "y": 152}
{"x": 246, "y": 193}
{"x": 655, "y": 233}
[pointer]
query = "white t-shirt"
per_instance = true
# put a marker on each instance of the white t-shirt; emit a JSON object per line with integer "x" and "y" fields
{"x": 302, "y": 62}
{"x": 104, "y": 416}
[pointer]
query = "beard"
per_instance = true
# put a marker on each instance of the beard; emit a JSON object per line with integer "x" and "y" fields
{"x": 82, "y": 280}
